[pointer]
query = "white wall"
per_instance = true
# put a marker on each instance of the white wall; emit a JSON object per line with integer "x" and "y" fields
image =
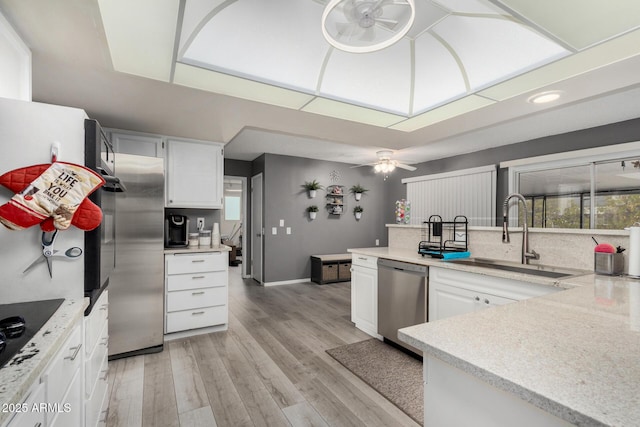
{"x": 15, "y": 64}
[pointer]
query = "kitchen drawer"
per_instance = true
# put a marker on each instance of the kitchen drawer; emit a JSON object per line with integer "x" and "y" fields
{"x": 96, "y": 406}
{"x": 29, "y": 417}
{"x": 68, "y": 413}
{"x": 364, "y": 260}
{"x": 194, "y": 263}
{"x": 199, "y": 318}
{"x": 94, "y": 363}
{"x": 94, "y": 323}
{"x": 195, "y": 298}
{"x": 182, "y": 282}
{"x": 63, "y": 367}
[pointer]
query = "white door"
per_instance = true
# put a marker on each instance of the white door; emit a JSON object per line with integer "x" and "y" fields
{"x": 257, "y": 230}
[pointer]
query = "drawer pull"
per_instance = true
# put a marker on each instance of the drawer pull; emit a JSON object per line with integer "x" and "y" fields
{"x": 363, "y": 258}
{"x": 197, "y": 293}
{"x": 104, "y": 307}
{"x": 76, "y": 350}
{"x": 197, "y": 313}
{"x": 106, "y": 416}
{"x": 38, "y": 424}
{"x": 104, "y": 341}
{"x": 197, "y": 277}
{"x": 106, "y": 375}
{"x": 197, "y": 260}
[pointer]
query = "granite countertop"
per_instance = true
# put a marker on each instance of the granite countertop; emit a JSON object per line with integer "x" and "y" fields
{"x": 414, "y": 257}
{"x": 573, "y": 353}
{"x": 15, "y": 379}
{"x": 195, "y": 250}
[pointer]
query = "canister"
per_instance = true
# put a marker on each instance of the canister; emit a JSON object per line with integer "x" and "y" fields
{"x": 204, "y": 238}
{"x": 194, "y": 239}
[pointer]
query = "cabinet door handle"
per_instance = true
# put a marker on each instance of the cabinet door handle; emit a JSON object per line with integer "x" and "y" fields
{"x": 197, "y": 277}
{"x": 197, "y": 260}
{"x": 106, "y": 416}
{"x": 38, "y": 424}
{"x": 197, "y": 293}
{"x": 197, "y": 313}
{"x": 486, "y": 301}
{"x": 104, "y": 306}
{"x": 76, "y": 350}
{"x": 477, "y": 298}
{"x": 104, "y": 341}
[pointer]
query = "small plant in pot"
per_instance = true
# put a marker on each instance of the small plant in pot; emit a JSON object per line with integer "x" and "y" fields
{"x": 312, "y": 187}
{"x": 357, "y": 191}
{"x": 357, "y": 211}
{"x": 313, "y": 211}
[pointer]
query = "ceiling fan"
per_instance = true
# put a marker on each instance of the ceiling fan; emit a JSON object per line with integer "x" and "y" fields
{"x": 385, "y": 164}
{"x": 361, "y": 26}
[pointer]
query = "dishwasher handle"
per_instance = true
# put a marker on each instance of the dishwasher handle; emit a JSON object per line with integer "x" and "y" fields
{"x": 405, "y": 267}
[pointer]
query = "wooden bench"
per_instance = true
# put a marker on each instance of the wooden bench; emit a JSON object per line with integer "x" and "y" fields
{"x": 330, "y": 268}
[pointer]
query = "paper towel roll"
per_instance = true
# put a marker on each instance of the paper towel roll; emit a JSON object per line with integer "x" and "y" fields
{"x": 215, "y": 238}
{"x": 634, "y": 250}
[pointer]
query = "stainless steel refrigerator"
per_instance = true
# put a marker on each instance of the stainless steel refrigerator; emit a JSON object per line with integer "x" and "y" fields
{"x": 136, "y": 287}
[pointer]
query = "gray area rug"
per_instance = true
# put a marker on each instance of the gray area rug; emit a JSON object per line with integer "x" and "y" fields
{"x": 392, "y": 373}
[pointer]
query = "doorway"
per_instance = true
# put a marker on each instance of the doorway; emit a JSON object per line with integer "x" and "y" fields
{"x": 233, "y": 221}
{"x": 257, "y": 229}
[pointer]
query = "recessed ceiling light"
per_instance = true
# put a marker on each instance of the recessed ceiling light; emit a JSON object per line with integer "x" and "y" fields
{"x": 544, "y": 97}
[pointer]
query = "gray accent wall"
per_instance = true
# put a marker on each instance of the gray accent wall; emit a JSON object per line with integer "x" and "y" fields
{"x": 616, "y": 133}
{"x": 287, "y": 257}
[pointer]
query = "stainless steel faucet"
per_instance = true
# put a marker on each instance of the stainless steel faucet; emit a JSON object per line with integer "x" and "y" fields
{"x": 526, "y": 253}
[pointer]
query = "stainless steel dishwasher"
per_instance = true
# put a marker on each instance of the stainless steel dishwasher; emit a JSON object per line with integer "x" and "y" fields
{"x": 402, "y": 298}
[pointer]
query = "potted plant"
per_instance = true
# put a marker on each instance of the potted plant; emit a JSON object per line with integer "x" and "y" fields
{"x": 312, "y": 187}
{"x": 358, "y": 190}
{"x": 357, "y": 211}
{"x": 313, "y": 211}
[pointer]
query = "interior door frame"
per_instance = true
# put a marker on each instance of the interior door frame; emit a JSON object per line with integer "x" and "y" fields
{"x": 257, "y": 245}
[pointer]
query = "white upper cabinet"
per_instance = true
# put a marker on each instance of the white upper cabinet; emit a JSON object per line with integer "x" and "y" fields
{"x": 138, "y": 144}
{"x": 194, "y": 175}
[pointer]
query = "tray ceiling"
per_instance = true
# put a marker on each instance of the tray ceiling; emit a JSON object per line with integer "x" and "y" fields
{"x": 459, "y": 56}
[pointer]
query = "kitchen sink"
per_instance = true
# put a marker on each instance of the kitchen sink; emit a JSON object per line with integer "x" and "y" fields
{"x": 532, "y": 269}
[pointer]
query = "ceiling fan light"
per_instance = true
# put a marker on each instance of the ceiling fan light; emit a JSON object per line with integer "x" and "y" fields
{"x": 377, "y": 168}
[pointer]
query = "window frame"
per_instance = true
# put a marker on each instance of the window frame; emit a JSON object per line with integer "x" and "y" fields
{"x": 587, "y": 157}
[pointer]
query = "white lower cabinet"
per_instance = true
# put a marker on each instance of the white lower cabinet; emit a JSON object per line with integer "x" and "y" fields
{"x": 453, "y": 292}
{"x": 364, "y": 293}
{"x": 96, "y": 369}
{"x": 196, "y": 290}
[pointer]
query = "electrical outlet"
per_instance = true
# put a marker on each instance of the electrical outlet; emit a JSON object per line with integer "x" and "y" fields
{"x": 377, "y": 242}
{"x": 200, "y": 223}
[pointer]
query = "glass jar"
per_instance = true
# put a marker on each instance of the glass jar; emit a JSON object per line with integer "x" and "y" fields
{"x": 194, "y": 241}
{"x": 204, "y": 238}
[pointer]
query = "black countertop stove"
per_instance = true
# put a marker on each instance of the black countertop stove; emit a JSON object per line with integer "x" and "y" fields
{"x": 35, "y": 315}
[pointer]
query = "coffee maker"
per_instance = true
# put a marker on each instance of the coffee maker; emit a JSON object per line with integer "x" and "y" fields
{"x": 176, "y": 231}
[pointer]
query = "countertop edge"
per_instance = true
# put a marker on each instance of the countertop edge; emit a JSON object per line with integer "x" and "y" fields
{"x": 15, "y": 381}
{"x": 188, "y": 250}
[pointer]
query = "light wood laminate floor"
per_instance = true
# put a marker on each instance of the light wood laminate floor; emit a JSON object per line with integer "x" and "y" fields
{"x": 269, "y": 369}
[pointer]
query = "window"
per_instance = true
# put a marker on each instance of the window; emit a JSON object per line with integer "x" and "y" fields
{"x": 232, "y": 208}
{"x": 585, "y": 189}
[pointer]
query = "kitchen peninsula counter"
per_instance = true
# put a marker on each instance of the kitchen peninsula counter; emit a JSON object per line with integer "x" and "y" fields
{"x": 412, "y": 256}
{"x": 573, "y": 353}
{"x": 16, "y": 377}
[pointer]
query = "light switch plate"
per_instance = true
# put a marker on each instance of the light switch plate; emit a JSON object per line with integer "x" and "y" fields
{"x": 377, "y": 242}
{"x": 274, "y": 230}
{"x": 282, "y": 223}
{"x": 288, "y": 230}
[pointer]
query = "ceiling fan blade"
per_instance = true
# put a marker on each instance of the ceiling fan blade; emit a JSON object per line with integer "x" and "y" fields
{"x": 368, "y": 35}
{"x": 364, "y": 164}
{"x": 387, "y": 23}
{"x": 406, "y": 167}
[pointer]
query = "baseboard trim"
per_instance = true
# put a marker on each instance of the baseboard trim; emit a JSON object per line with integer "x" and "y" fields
{"x": 286, "y": 282}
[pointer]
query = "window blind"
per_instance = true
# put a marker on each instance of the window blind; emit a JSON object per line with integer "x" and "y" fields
{"x": 468, "y": 192}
